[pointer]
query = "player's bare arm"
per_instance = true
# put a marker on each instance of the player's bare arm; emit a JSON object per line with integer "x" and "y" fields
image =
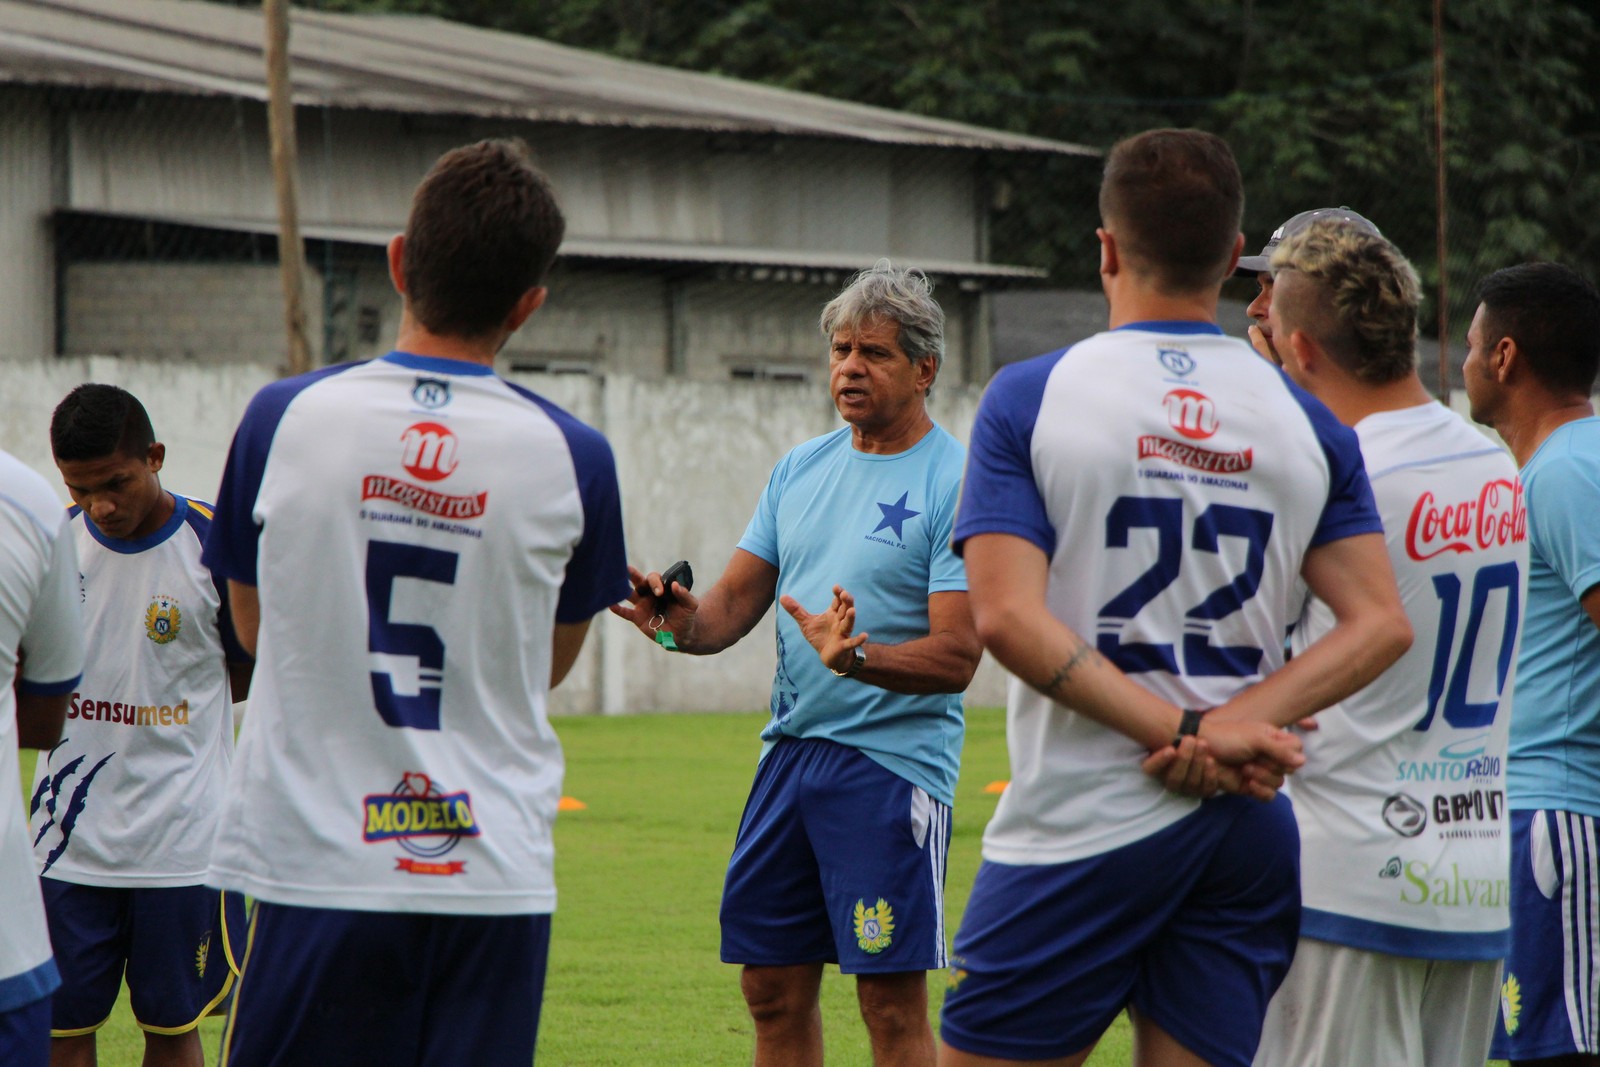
{"x": 40, "y": 718}
{"x": 1009, "y": 576}
{"x": 1354, "y": 578}
{"x": 1590, "y": 602}
{"x": 942, "y": 662}
{"x": 702, "y": 626}
{"x": 565, "y": 646}
{"x": 245, "y": 604}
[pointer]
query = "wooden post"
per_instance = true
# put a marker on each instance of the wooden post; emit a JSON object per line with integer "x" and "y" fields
{"x": 1439, "y": 191}
{"x": 285, "y": 178}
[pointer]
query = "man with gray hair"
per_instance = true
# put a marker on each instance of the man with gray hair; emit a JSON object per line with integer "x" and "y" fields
{"x": 840, "y": 856}
{"x": 1401, "y": 804}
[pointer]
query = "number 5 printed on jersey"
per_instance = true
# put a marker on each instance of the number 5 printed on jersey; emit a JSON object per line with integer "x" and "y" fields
{"x": 407, "y": 658}
{"x": 1200, "y": 656}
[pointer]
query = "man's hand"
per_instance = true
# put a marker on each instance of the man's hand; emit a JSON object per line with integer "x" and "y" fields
{"x": 1248, "y": 758}
{"x": 1263, "y": 345}
{"x": 641, "y": 608}
{"x": 830, "y": 632}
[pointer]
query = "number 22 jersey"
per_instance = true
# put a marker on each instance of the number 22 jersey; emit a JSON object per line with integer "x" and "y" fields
{"x": 415, "y": 528}
{"x": 1175, "y": 480}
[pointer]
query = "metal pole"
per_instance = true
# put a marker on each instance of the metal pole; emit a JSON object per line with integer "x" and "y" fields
{"x": 1439, "y": 192}
{"x": 280, "y": 124}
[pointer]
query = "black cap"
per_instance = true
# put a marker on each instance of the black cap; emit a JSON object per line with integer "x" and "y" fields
{"x": 1250, "y": 266}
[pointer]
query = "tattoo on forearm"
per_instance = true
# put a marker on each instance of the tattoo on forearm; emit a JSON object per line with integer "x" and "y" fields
{"x": 1084, "y": 653}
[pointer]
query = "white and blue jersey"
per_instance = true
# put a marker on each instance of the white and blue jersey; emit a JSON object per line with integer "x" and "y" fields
{"x": 415, "y": 527}
{"x": 130, "y": 796}
{"x": 1175, "y": 480}
{"x": 879, "y": 525}
{"x": 1555, "y": 726}
{"x": 1401, "y": 805}
{"x": 39, "y": 616}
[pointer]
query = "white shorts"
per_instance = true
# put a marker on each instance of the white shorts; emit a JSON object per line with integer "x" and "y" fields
{"x": 1342, "y": 1006}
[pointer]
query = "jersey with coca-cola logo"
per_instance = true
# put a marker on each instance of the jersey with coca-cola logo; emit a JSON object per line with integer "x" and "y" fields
{"x": 415, "y": 528}
{"x": 1176, "y": 481}
{"x": 1402, "y": 803}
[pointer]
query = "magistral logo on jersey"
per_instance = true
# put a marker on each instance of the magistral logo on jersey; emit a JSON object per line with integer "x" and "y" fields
{"x": 1499, "y": 516}
{"x": 1191, "y": 413}
{"x": 422, "y": 819}
{"x": 428, "y": 451}
{"x": 1152, "y": 446}
{"x": 417, "y": 498}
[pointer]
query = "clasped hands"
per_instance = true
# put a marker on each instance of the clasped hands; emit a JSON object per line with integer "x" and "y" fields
{"x": 1228, "y": 756}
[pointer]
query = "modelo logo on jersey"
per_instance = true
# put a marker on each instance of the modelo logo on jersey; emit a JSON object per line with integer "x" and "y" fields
{"x": 1405, "y": 815}
{"x": 1497, "y": 517}
{"x": 429, "y": 451}
{"x": 422, "y": 819}
{"x": 1191, "y": 413}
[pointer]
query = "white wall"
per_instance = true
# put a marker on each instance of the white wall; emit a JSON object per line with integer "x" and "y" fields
{"x": 692, "y": 457}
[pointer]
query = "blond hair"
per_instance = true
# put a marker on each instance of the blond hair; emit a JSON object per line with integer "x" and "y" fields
{"x": 1362, "y": 304}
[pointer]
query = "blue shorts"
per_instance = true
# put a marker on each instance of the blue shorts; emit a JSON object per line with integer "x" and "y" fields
{"x": 1548, "y": 1003}
{"x": 25, "y": 1035}
{"x": 838, "y": 860}
{"x": 173, "y": 943}
{"x": 327, "y": 986}
{"x": 1194, "y": 926}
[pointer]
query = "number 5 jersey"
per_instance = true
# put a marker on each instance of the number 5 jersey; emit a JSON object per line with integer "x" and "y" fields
{"x": 415, "y": 528}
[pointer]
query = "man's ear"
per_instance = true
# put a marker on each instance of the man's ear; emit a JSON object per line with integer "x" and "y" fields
{"x": 156, "y": 456}
{"x": 1238, "y": 250}
{"x": 1300, "y": 347}
{"x": 1505, "y": 359}
{"x": 1109, "y": 260}
{"x": 526, "y": 305}
{"x": 397, "y": 251}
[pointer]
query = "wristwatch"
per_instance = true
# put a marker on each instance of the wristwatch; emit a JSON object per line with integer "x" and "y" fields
{"x": 855, "y": 664}
{"x": 1188, "y": 726}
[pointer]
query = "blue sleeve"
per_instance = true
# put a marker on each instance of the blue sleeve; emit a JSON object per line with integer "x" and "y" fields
{"x": 597, "y": 573}
{"x": 1350, "y": 508}
{"x": 230, "y": 544}
{"x": 1000, "y": 493}
{"x": 232, "y": 650}
{"x": 1563, "y": 500}
{"x": 946, "y": 572}
{"x": 761, "y": 535}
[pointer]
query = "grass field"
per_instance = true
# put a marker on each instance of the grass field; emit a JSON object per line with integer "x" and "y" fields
{"x": 634, "y": 977}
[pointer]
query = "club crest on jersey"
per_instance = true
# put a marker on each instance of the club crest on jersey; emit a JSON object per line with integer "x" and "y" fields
{"x": 894, "y": 518}
{"x": 874, "y": 926}
{"x": 162, "y": 620}
{"x": 202, "y": 955}
{"x": 1511, "y": 1003}
{"x": 1176, "y": 360}
{"x": 431, "y": 393}
{"x": 422, "y": 819}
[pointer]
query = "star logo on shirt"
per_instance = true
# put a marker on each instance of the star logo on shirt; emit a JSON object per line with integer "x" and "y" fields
{"x": 895, "y": 515}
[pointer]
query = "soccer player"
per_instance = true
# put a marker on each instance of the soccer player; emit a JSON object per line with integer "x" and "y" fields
{"x": 416, "y": 549}
{"x": 840, "y": 856}
{"x": 125, "y": 807}
{"x": 1260, "y": 268}
{"x": 1155, "y": 489}
{"x": 1532, "y": 353}
{"x": 41, "y": 659}
{"x": 1404, "y": 835}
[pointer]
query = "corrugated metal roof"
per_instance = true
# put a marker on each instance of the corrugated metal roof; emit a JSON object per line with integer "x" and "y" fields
{"x": 605, "y": 249}
{"x": 427, "y": 65}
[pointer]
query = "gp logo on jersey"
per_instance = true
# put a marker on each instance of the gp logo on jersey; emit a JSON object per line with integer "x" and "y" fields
{"x": 1191, "y": 413}
{"x": 428, "y": 451}
{"x": 163, "y": 620}
{"x": 1498, "y": 517}
{"x": 422, "y": 819}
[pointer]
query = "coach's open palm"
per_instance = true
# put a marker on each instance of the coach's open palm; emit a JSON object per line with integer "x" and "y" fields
{"x": 830, "y": 632}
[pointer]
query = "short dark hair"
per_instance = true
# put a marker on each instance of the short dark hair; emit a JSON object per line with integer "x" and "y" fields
{"x": 1553, "y": 313}
{"x": 95, "y": 421}
{"x": 484, "y": 229}
{"x": 1174, "y": 199}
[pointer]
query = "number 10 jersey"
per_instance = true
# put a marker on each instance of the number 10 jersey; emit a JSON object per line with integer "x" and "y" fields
{"x": 1176, "y": 481}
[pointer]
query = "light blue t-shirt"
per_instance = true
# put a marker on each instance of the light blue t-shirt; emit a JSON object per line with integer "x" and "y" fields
{"x": 879, "y": 525}
{"x": 1555, "y": 721}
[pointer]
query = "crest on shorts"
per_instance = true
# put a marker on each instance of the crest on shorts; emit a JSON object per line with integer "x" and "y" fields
{"x": 1511, "y": 1003}
{"x": 202, "y": 955}
{"x": 162, "y": 620}
{"x": 874, "y": 926}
